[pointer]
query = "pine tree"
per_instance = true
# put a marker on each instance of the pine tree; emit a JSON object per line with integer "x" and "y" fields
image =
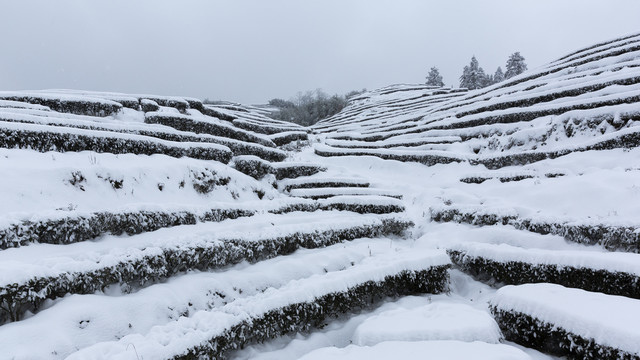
{"x": 473, "y": 76}
{"x": 498, "y": 76}
{"x": 434, "y": 78}
{"x": 515, "y": 65}
{"x": 487, "y": 80}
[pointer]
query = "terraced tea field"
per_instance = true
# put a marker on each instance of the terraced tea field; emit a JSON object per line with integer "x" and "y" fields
{"x": 499, "y": 223}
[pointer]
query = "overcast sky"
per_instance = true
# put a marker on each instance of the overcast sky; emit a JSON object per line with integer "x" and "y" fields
{"x": 252, "y": 51}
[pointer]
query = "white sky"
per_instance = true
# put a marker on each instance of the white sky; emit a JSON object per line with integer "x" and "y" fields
{"x": 252, "y": 51}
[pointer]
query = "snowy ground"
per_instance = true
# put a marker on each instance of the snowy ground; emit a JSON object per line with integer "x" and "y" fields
{"x": 462, "y": 314}
{"x": 597, "y": 187}
{"x": 601, "y": 187}
{"x": 151, "y": 269}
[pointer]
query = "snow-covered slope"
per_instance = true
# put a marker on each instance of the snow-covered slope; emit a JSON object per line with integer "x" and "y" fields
{"x": 148, "y": 227}
{"x": 166, "y": 213}
{"x": 533, "y": 180}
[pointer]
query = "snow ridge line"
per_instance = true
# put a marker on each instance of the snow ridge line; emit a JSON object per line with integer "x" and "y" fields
{"x": 158, "y": 263}
{"x": 302, "y": 317}
{"x": 205, "y": 125}
{"x": 612, "y": 237}
{"x": 426, "y": 158}
{"x": 518, "y": 271}
{"x": 287, "y": 137}
{"x": 327, "y": 192}
{"x": 81, "y": 105}
{"x": 82, "y": 227}
{"x": 48, "y": 138}
{"x": 361, "y": 204}
{"x": 270, "y": 129}
{"x": 278, "y": 313}
{"x": 527, "y": 330}
{"x": 258, "y": 168}
{"x": 238, "y": 147}
{"x": 568, "y": 322}
{"x": 627, "y": 139}
{"x": 182, "y": 295}
{"x": 515, "y": 176}
{"x": 531, "y": 113}
{"x": 311, "y": 183}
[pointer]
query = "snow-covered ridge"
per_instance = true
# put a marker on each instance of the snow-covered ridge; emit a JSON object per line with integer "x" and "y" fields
{"x": 230, "y": 230}
{"x": 590, "y": 99}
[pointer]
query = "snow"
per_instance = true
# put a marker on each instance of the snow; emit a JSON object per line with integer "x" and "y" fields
{"x": 41, "y": 188}
{"x": 613, "y": 262}
{"x": 599, "y": 188}
{"x": 331, "y": 191}
{"x": 52, "y": 95}
{"x": 604, "y": 318}
{"x": 362, "y": 200}
{"x": 196, "y": 116}
{"x": 287, "y": 133}
{"x": 18, "y": 265}
{"x": 321, "y": 178}
{"x": 175, "y": 337}
{"x": 437, "y": 321}
{"x": 437, "y": 350}
{"x": 367, "y": 151}
{"x": 109, "y": 134}
{"x": 56, "y": 329}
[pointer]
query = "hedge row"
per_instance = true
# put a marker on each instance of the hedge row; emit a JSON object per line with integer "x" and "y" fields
{"x": 288, "y": 137}
{"x": 209, "y": 111}
{"x": 45, "y": 140}
{"x": 326, "y": 193}
{"x": 624, "y": 238}
{"x": 361, "y": 208}
{"x": 625, "y": 141}
{"x": 553, "y": 69}
{"x": 534, "y": 114}
{"x": 237, "y": 147}
{"x": 426, "y": 159}
{"x": 304, "y": 316}
{"x": 325, "y": 184}
{"x": 258, "y": 168}
{"x": 503, "y": 179}
{"x": 180, "y": 104}
{"x": 397, "y": 144}
{"x": 519, "y": 272}
{"x": 160, "y": 263}
{"x": 608, "y": 42}
{"x": 263, "y": 128}
{"x": 147, "y": 105}
{"x": 186, "y": 123}
{"x": 71, "y": 229}
{"x": 507, "y": 118}
{"x": 292, "y": 171}
{"x": 79, "y": 107}
{"x": 550, "y": 96}
{"x": 533, "y": 333}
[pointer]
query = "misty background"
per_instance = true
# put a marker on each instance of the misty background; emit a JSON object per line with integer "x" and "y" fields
{"x": 253, "y": 51}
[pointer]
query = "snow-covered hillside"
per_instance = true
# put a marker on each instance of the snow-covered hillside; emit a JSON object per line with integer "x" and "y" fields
{"x": 500, "y": 223}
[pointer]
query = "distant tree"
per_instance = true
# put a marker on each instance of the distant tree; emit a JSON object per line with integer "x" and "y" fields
{"x": 515, "y": 65}
{"x": 434, "y": 78}
{"x": 498, "y": 76}
{"x": 280, "y": 103}
{"x": 487, "y": 80}
{"x": 473, "y": 76}
{"x": 310, "y": 107}
{"x": 354, "y": 93}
